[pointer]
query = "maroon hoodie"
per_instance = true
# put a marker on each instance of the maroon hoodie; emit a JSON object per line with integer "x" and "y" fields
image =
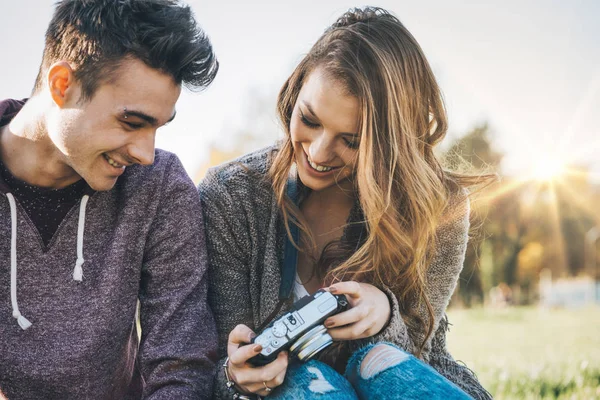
{"x": 67, "y": 312}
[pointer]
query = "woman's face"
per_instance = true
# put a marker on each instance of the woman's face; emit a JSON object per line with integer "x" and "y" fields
{"x": 324, "y": 131}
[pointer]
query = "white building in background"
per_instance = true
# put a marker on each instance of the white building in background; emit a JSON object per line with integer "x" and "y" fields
{"x": 568, "y": 292}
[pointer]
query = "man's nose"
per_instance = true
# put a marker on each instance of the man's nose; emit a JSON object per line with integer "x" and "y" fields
{"x": 141, "y": 151}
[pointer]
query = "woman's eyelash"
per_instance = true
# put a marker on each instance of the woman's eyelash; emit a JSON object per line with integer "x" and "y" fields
{"x": 307, "y": 122}
{"x": 353, "y": 144}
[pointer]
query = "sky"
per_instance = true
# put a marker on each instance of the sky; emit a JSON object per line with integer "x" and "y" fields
{"x": 530, "y": 69}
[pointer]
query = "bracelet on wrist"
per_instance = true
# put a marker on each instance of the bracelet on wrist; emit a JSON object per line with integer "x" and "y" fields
{"x": 231, "y": 385}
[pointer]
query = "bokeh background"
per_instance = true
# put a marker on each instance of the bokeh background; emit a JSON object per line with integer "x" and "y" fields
{"x": 521, "y": 81}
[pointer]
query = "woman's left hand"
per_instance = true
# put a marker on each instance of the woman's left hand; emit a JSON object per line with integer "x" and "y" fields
{"x": 369, "y": 311}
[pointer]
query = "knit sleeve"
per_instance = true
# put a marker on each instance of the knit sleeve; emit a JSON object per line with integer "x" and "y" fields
{"x": 178, "y": 344}
{"x": 228, "y": 255}
{"x": 442, "y": 275}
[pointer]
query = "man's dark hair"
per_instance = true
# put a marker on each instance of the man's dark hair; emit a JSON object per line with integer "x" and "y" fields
{"x": 95, "y": 36}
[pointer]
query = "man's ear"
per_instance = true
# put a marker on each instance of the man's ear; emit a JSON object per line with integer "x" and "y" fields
{"x": 62, "y": 84}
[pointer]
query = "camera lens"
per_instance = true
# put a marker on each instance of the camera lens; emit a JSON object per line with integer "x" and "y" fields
{"x": 311, "y": 343}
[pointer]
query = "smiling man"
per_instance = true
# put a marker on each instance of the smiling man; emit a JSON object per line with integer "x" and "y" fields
{"x": 95, "y": 219}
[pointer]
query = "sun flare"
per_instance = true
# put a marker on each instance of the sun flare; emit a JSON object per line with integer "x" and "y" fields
{"x": 547, "y": 168}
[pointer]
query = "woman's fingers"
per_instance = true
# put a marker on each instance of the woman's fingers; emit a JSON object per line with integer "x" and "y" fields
{"x": 267, "y": 386}
{"x": 358, "y": 330}
{"x": 350, "y": 316}
{"x": 240, "y": 335}
{"x": 243, "y": 353}
{"x": 252, "y": 377}
{"x": 349, "y": 288}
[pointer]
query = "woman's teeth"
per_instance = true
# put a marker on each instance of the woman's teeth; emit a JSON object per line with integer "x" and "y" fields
{"x": 112, "y": 162}
{"x": 318, "y": 167}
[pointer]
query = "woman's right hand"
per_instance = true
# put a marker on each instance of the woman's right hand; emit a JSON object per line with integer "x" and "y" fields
{"x": 248, "y": 378}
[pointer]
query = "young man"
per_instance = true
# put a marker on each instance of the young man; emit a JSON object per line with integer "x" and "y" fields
{"x": 93, "y": 218}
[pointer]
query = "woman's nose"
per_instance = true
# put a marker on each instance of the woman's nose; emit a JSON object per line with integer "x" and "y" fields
{"x": 321, "y": 149}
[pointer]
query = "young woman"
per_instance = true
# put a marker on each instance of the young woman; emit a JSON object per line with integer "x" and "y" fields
{"x": 377, "y": 220}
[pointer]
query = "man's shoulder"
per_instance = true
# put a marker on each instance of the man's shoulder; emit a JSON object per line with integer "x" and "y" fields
{"x": 167, "y": 172}
{"x": 165, "y": 163}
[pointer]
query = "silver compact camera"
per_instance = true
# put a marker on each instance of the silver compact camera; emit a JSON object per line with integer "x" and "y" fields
{"x": 300, "y": 330}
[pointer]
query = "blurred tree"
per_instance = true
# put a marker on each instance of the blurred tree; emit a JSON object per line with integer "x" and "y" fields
{"x": 255, "y": 128}
{"x": 521, "y": 225}
{"x": 577, "y": 216}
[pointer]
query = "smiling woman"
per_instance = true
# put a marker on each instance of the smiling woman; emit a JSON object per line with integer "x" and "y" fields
{"x": 352, "y": 201}
{"x": 324, "y": 131}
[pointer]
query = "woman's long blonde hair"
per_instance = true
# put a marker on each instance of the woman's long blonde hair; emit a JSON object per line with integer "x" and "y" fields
{"x": 401, "y": 187}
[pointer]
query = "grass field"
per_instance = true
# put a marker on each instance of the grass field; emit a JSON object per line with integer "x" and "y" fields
{"x": 530, "y": 353}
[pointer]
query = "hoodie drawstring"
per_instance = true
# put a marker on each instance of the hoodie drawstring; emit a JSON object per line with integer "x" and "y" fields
{"x": 23, "y": 322}
{"x": 78, "y": 271}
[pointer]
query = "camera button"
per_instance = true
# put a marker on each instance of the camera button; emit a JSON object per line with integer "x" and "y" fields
{"x": 275, "y": 343}
{"x": 279, "y": 329}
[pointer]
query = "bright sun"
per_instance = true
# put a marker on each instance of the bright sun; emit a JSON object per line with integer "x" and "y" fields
{"x": 547, "y": 168}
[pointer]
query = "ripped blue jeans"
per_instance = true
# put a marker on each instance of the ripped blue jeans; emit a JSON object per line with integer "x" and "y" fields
{"x": 377, "y": 371}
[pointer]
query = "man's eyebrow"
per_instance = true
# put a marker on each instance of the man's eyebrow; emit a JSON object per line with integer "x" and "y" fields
{"x": 148, "y": 118}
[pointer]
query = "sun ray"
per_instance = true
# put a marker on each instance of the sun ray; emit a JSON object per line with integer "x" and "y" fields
{"x": 577, "y": 173}
{"x": 499, "y": 190}
{"x": 557, "y": 235}
{"x": 593, "y": 88}
{"x": 589, "y": 209}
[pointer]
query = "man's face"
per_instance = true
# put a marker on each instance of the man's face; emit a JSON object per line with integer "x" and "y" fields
{"x": 98, "y": 138}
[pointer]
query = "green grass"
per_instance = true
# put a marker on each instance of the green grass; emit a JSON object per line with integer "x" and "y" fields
{"x": 530, "y": 353}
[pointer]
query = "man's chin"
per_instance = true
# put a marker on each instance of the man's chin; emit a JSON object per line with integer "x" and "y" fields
{"x": 103, "y": 185}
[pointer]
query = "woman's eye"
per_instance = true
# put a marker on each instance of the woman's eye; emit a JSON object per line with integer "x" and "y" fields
{"x": 352, "y": 144}
{"x": 308, "y": 123}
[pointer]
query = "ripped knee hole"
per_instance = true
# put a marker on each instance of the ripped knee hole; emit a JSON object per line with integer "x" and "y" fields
{"x": 380, "y": 358}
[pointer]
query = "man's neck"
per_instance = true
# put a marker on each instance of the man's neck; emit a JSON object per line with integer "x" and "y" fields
{"x": 29, "y": 154}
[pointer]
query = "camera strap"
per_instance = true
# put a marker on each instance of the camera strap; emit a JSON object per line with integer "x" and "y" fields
{"x": 290, "y": 258}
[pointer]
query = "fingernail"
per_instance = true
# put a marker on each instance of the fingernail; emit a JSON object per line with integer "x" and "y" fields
{"x": 252, "y": 336}
{"x": 257, "y": 348}
{"x": 329, "y": 324}
{"x": 332, "y": 289}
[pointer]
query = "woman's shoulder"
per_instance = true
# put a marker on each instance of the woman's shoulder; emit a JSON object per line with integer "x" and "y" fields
{"x": 244, "y": 174}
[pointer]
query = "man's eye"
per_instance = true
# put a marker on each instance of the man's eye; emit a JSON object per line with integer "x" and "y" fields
{"x": 133, "y": 125}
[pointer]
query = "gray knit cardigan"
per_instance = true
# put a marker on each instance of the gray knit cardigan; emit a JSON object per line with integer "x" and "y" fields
{"x": 246, "y": 238}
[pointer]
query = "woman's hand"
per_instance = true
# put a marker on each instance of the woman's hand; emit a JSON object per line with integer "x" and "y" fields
{"x": 369, "y": 311}
{"x": 248, "y": 378}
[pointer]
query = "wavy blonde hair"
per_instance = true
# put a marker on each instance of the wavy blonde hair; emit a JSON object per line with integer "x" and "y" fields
{"x": 401, "y": 186}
